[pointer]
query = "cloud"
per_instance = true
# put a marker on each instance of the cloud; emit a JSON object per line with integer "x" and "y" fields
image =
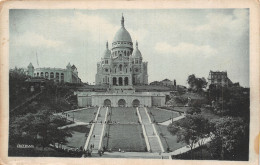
{"x": 98, "y": 28}
{"x": 31, "y": 39}
{"x": 185, "y": 49}
{"x": 234, "y": 24}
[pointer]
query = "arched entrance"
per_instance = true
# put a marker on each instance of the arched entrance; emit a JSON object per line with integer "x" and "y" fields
{"x": 121, "y": 103}
{"x": 136, "y": 103}
{"x": 114, "y": 80}
{"x": 126, "y": 80}
{"x": 120, "y": 81}
{"x": 107, "y": 103}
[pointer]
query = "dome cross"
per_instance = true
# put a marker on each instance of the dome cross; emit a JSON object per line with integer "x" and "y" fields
{"x": 122, "y": 21}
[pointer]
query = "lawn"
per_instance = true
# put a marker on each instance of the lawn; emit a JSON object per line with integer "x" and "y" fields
{"x": 85, "y": 115}
{"x": 168, "y": 140}
{"x": 161, "y": 115}
{"x": 79, "y": 137}
{"x": 127, "y": 137}
{"x": 123, "y": 115}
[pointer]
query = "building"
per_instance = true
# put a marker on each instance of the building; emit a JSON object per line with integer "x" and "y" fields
{"x": 219, "y": 79}
{"x": 122, "y": 70}
{"x": 58, "y": 75}
{"x": 165, "y": 82}
{"x": 122, "y": 65}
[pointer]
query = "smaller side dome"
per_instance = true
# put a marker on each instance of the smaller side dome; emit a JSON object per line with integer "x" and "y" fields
{"x": 30, "y": 65}
{"x": 107, "y": 52}
{"x": 136, "y": 52}
{"x": 69, "y": 66}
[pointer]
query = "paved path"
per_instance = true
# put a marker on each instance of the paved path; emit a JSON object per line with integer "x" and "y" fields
{"x": 73, "y": 125}
{"x": 143, "y": 155}
{"x": 186, "y": 148}
{"x": 153, "y": 138}
{"x": 170, "y": 121}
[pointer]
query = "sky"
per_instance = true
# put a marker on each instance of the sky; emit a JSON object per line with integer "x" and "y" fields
{"x": 175, "y": 42}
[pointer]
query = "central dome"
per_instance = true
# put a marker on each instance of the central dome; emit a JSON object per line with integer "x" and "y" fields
{"x": 122, "y": 34}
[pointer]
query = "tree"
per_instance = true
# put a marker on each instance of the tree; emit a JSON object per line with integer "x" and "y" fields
{"x": 196, "y": 84}
{"x": 17, "y": 77}
{"x": 191, "y": 130}
{"x": 39, "y": 128}
{"x": 193, "y": 110}
{"x": 231, "y": 140}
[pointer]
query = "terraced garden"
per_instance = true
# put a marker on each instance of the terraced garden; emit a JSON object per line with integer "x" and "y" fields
{"x": 159, "y": 116}
{"x": 167, "y": 139}
{"x": 79, "y": 137}
{"x": 127, "y": 137}
{"x": 123, "y": 115}
{"x": 85, "y": 115}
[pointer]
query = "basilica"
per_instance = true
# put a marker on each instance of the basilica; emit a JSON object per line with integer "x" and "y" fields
{"x": 122, "y": 65}
{"x": 121, "y": 69}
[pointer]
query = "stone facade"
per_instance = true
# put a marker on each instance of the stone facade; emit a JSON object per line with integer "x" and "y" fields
{"x": 121, "y": 99}
{"x": 122, "y": 65}
{"x": 68, "y": 75}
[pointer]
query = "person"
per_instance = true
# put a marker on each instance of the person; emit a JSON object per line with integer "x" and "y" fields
{"x": 119, "y": 150}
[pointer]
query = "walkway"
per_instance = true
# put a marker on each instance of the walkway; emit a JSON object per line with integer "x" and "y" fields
{"x": 150, "y": 131}
{"x": 187, "y": 148}
{"x": 97, "y": 130}
{"x": 170, "y": 121}
{"x": 73, "y": 125}
{"x": 143, "y": 155}
{"x": 26, "y": 101}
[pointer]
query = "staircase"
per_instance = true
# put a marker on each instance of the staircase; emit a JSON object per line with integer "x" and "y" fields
{"x": 96, "y": 136}
{"x": 153, "y": 138}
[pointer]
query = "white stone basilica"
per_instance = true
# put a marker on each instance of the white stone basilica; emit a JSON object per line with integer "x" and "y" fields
{"x": 122, "y": 65}
{"x": 121, "y": 68}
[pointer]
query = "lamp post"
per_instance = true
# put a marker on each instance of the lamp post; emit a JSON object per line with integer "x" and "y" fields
{"x": 73, "y": 116}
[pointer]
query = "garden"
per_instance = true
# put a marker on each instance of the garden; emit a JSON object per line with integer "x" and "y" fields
{"x": 85, "y": 115}
{"x": 123, "y": 115}
{"x": 159, "y": 116}
{"x": 126, "y": 137}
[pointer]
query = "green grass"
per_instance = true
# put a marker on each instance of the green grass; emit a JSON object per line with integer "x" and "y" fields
{"x": 168, "y": 140}
{"x": 123, "y": 115}
{"x": 78, "y": 138}
{"x": 85, "y": 115}
{"x": 127, "y": 137}
{"x": 161, "y": 115}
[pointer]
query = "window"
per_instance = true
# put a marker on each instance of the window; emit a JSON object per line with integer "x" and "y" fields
{"x": 57, "y": 76}
{"x": 62, "y": 77}
{"x": 106, "y": 61}
{"x": 106, "y": 70}
{"x": 120, "y": 67}
{"x": 52, "y": 75}
{"x": 46, "y": 75}
{"x": 37, "y": 74}
{"x": 136, "y": 70}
